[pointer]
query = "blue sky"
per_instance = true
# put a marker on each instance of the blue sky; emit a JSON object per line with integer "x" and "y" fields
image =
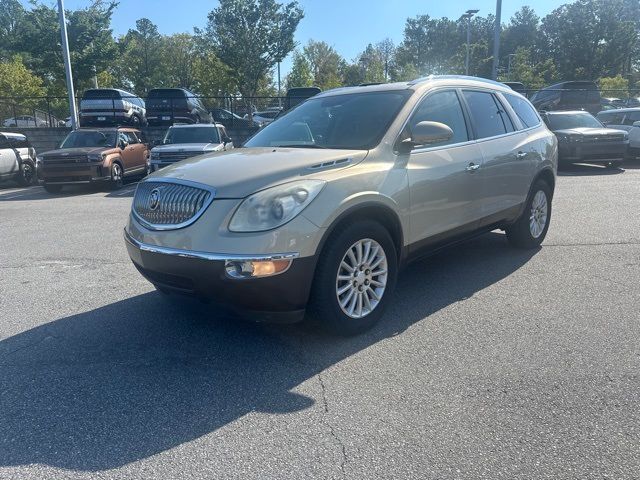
{"x": 347, "y": 25}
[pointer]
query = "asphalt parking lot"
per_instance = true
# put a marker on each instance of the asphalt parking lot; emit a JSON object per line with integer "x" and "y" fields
{"x": 491, "y": 362}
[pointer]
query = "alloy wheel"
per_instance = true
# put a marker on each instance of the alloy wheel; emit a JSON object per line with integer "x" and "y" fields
{"x": 539, "y": 213}
{"x": 362, "y": 278}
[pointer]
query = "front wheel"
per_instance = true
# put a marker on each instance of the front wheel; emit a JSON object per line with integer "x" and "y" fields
{"x": 116, "y": 176}
{"x": 355, "y": 278}
{"x": 27, "y": 175}
{"x": 532, "y": 226}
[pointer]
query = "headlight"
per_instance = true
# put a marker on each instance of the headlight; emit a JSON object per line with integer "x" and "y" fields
{"x": 274, "y": 206}
{"x": 96, "y": 157}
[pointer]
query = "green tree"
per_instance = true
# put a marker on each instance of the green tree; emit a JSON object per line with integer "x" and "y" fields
{"x": 372, "y": 65}
{"x": 300, "y": 75}
{"x": 17, "y": 81}
{"x": 533, "y": 75}
{"x": 11, "y": 17}
{"x": 325, "y": 64}
{"x": 250, "y": 36}
{"x": 522, "y": 31}
{"x": 614, "y": 86}
{"x": 141, "y": 57}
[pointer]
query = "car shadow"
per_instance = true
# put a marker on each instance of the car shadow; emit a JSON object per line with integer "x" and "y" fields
{"x": 586, "y": 169}
{"x": 22, "y": 194}
{"x": 120, "y": 383}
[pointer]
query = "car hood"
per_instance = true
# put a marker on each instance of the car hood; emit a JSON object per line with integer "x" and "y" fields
{"x": 186, "y": 147}
{"x": 591, "y": 131}
{"x": 77, "y": 151}
{"x": 241, "y": 172}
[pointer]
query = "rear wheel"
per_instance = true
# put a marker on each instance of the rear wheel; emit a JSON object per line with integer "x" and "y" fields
{"x": 116, "y": 176}
{"x": 27, "y": 175}
{"x": 51, "y": 188}
{"x": 355, "y": 278}
{"x": 532, "y": 226}
{"x": 135, "y": 121}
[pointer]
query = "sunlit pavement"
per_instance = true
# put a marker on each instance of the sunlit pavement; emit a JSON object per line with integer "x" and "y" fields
{"x": 490, "y": 363}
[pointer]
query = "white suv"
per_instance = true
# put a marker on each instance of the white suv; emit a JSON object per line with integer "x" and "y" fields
{"x": 17, "y": 159}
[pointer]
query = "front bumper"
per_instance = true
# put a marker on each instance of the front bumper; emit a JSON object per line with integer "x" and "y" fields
{"x": 74, "y": 173}
{"x": 592, "y": 152}
{"x": 279, "y": 298}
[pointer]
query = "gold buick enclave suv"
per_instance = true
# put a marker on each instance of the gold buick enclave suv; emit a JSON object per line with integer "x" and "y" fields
{"x": 321, "y": 208}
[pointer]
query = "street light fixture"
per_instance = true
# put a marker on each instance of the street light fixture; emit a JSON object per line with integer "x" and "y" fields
{"x": 468, "y": 14}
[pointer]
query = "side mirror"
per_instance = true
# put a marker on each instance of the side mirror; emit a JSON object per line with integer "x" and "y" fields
{"x": 427, "y": 133}
{"x": 636, "y": 124}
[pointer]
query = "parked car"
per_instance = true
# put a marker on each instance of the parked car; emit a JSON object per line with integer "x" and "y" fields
{"x": 166, "y": 106}
{"x": 627, "y": 119}
{"x": 265, "y": 117}
{"x": 517, "y": 86}
{"x": 111, "y": 106}
{"x": 322, "y": 208}
{"x": 17, "y": 159}
{"x": 609, "y": 103}
{"x": 186, "y": 141}
{"x": 578, "y": 95}
{"x": 296, "y": 96}
{"x": 632, "y": 102}
{"x": 95, "y": 155}
{"x": 582, "y": 138}
{"x": 231, "y": 120}
{"x": 25, "y": 121}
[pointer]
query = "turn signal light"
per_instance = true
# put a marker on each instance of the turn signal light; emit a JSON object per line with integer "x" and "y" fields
{"x": 255, "y": 268}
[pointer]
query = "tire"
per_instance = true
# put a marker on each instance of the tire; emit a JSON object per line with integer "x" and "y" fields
{"x": 52, "y": 188}
{"x": 525, "y": 232}
{"x": 116, "y": 176}
{"x": 324, "y": 307}
{"x": 135, "y": 121}
{"x": 614, "y": 164}
{"x": 27, "y": 175}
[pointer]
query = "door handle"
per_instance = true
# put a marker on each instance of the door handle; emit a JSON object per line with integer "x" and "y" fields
{"x": 521, "y": 155}
{"x": 472, "y": 167}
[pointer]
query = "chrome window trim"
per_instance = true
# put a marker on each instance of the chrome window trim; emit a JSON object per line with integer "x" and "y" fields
{"x": 210, "y": 256}
{"x": 174, "y": 226}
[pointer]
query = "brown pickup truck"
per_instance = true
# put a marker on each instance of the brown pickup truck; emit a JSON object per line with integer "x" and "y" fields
{"x": 94, "y": 155}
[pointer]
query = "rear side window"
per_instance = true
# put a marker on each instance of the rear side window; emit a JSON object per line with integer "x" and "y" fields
{"x": 20, "y": 142}
{"x": 132, "y": 137}
{"x": 631, "y": 118}
{"x": 525, "y": 112}
{"x": 4, "y": 143}
{"x": 443, "y": 107}
{"x": 613, "y": 118}
{"x": 488, "y": 118}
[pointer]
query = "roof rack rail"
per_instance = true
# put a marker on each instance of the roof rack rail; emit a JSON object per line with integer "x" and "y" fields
{"x": 455, "y": 77}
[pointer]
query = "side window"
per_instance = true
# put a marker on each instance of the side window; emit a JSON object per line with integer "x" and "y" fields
{"x": 485, "y": 113}
{"x": 4, "y": 142}
{"x": 632, "y": 117}
{"x": 122, "y": 137}
{"x": 443, "y": 107}
{"x": 132, "y": 138}
{"x": 525, "y": 112}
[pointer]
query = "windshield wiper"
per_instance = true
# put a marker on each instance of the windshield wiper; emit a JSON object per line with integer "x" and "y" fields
{"x": 299, "y": 145}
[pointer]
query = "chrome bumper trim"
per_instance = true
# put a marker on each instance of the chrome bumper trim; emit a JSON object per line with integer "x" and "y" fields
{"x": 145, "y": 247}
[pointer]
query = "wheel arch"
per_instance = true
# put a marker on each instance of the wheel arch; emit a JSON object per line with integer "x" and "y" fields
{"x": 547, "y": 176}
{"x": 375, "y": 211}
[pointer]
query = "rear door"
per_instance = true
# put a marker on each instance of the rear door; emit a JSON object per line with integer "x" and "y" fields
{"x": 444, "y": 186}
{"x": 136, "y": 152}
{"x": 507, "y": 154}
{"x": 8, "y": 159}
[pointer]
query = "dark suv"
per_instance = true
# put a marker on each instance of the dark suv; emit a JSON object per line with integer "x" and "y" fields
{"x": 166, "y": 106}
{"x": 581, "y": 95}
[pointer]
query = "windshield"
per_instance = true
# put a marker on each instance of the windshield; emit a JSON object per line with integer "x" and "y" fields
{"x": 192, "y": 135}
{"x": 576, "y": 120}
{"x": 352, "y": 121}
{"x": 85, "y": 138}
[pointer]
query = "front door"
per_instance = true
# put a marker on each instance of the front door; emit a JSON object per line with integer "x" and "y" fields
{"x": 444, "y": 184}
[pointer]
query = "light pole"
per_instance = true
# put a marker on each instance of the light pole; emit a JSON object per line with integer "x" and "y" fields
{"x": 468, "y": 14}
{"x": 67, "y": 65}
{"x": 496, "y": 41}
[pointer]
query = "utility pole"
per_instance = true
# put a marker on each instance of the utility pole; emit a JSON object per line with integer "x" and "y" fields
{"x": 468, "y": 14}
{"x": 67, "y": 65}
{"x": 496, "y": 41}
{"x": 95, "y": 77}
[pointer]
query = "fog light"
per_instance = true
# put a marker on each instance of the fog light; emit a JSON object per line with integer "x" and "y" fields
{"x": 255, "y": 268}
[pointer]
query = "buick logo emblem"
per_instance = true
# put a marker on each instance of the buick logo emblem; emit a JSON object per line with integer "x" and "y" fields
{"x": 154, "y": 199}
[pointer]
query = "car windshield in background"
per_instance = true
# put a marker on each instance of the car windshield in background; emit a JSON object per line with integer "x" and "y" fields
{"x": 192, "y": 135}
{"x": 87, "y": 138}
{"x": 354, "y": 121}
{"x": 565, "y": 121}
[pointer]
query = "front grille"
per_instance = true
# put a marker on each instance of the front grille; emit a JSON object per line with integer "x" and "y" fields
{"x": 64, "y": 159}
{"x": 164, "y": 205}
{"x": 604, "y": 139}
{"x": 177, "y": 156}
